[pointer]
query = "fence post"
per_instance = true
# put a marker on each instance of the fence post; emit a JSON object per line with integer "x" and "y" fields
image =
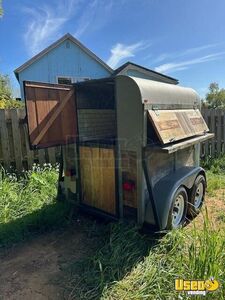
{"x": 16, "y": 139}
{"x": 219, "y": 132}
{"x": 4, "y": 139}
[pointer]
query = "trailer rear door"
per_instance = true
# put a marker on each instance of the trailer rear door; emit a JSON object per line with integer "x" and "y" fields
{"x": 98, "y": 182}
{"x": 51, "y": 114}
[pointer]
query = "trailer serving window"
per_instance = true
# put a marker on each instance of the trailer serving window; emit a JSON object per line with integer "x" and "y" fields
{"x": 175, "y": 125}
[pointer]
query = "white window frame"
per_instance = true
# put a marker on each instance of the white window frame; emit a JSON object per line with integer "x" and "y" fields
{"x": 73, "y": 79}
{"x": 63, "y": 77}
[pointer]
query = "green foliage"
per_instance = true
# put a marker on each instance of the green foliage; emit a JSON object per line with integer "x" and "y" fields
{"x": 215, "y": 182}
{"x": 1, "y": 10}
{"x": 11, "y": 103}
{"x": 215, "y": 165}
{"x": 129, "y": 265}
{"x": 6, "y": 99}
{"x": 215, "y": 98}
{"x": 186, "y": 254}
{"x": 28, "y": 203}
{"x": 118, "y": 252}
{"x": 215, "y": 173}
{"x": 5, "y": 88}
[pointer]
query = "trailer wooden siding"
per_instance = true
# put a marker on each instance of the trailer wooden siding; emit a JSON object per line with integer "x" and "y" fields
{"x": 97, "y": 177}
{"x": 14, "y": 144}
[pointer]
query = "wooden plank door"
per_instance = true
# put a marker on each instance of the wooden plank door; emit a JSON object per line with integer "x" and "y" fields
{"x": 51, "y": 114}
{"x": 97, "y": 175}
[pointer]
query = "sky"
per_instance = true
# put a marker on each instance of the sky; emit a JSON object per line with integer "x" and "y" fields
{"x": 184, "y": 39}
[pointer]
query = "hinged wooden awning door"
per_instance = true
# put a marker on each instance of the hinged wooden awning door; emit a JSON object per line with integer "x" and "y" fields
{"x": 51, "y": 114}
{"x": 175, "y": 125}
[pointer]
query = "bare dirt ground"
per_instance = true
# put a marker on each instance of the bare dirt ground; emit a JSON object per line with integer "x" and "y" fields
{"x": 28, "y": 271}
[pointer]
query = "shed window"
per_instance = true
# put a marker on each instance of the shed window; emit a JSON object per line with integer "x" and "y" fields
{"x": 70, "y": 80}
{"x": 64, "y": 80}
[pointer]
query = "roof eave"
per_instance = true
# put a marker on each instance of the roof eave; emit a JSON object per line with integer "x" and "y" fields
{"x": 141, "y": 68}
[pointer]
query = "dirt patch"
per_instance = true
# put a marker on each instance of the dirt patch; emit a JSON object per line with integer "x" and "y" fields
{"x": 29, "y": 271}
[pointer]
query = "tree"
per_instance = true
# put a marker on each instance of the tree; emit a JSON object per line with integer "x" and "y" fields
{"x": 1, "y": 10}
{"x": 6, "y": 94}
{"x": 5, "y": 88}
{"x": 216, "y": 96}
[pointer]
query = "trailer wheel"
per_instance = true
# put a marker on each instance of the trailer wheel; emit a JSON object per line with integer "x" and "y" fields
{"x": 178, "y": 210}
{"x": 197, "y": 196}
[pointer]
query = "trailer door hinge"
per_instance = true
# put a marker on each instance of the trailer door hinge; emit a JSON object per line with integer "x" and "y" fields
{"x": 156, "y": 110}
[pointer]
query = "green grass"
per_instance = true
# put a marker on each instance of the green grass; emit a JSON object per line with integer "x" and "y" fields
{"x": 215, "y": 182}
{"x": 28, "y": 203}
{"x": 128, "y": 265}
{"x": 215, "y": 165}
{"x": 215, "y": 174}
{"x": 186, "y": 254}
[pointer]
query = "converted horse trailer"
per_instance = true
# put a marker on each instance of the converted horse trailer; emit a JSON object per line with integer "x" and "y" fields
{"x": 131, "y": 146}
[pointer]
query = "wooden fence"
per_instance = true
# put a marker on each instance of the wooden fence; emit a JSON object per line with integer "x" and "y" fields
{"x": 215, "y": 119}
{"x": 14, "y": 143}
{"x": 15, "y": 151}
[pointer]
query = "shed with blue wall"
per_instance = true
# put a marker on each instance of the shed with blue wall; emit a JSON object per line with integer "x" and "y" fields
{"x": 68, "y": 58}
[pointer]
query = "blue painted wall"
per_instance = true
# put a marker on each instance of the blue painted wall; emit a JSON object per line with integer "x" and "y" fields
{"x": 62, "y": 61}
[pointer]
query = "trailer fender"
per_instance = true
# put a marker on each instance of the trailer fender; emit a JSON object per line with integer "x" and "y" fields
{"x": 165, "y": 189}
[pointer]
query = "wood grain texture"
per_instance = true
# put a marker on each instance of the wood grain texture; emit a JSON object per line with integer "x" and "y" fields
{"x": 174, "y": 125}
{"x": 51, "y": 113}
{"x": 5, "y": 145}
{"x": 14, "y": 143}
{"x": 97, "y": 172}
{"x": 16, "y": 139}
{"x": 184, "y": 144}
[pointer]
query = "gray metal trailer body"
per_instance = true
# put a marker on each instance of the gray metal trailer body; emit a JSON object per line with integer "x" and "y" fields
{"x": 136, "y": 149}
{"x": 161, "y": 170}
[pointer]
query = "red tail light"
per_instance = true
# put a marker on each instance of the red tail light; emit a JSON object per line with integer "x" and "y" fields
{"x": 128, "y": 186}
{"x": 67, "y": 173}
{"x": 70, "y": 172}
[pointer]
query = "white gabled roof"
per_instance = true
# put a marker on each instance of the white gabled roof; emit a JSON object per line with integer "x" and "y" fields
{"x": 54, "y": 45}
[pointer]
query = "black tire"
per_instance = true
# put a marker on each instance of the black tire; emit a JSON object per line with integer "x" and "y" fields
{"x": 181, "y": 191}
{"x": 194, "y": 206}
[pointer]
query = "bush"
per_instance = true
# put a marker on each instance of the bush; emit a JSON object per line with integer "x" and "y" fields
{"x": 10, "y": 103}
{"x": 215, "y": 165}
